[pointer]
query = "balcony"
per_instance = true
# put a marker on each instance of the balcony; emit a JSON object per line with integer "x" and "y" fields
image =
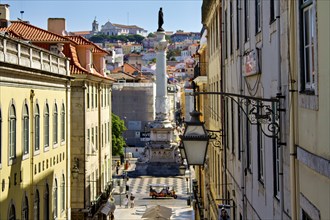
{"x": 100, "y": 200}
{"x": 22, "y": 53}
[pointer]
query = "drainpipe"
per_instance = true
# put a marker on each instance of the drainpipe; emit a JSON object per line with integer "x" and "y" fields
{"x": 99, "y": 137}
{"x": 32, "y": 149}
{"x": 292, "y": 102}
{"x": 68, "y": 147}
{"x": 222, "y": 88}
{"x": 240, "y": 132}
{"x": 279, "y": 93}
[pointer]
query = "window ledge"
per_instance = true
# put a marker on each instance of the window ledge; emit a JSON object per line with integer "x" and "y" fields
{"x": 11, "y": 161}
{"x": 308, "y": 101}
{"x": 36, "y": 152}
{"x": 272, "y": 27}
{"x": 25, "y": 156}
{"x": 259, "y": 37}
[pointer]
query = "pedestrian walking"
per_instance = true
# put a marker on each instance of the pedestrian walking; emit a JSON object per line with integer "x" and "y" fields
{"x": 112, "y": 217}
{"x": 126, "y": 201}
{"x": 132, "y": 200}
{"x": 117, "y": 169}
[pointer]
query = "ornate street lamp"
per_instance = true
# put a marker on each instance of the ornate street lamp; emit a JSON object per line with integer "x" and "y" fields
{"x": 195, "y": 140}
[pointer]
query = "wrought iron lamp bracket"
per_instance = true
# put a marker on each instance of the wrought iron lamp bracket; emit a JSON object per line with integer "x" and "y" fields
{"x": 215, "y": 137}
{"x": 258, "y": 111}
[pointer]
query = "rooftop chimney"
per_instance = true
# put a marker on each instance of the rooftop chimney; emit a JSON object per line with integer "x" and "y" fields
{"x": 57, "y": 26}
{"x": 4, "y": 15}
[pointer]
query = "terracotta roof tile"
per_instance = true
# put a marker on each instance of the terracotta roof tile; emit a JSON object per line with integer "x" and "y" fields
{"x": 121, "y": 75}
{"x": 128, "y": 68}
{"x": 23, "y": 30}
{"x": 80, "y": 32}
{"x": 83, "y": 41}
{"x": 75, "y": 67}
{"x": 33, "y": 33}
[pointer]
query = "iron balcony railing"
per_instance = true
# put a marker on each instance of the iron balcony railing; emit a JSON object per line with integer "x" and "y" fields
{"x": 100, "y": 200}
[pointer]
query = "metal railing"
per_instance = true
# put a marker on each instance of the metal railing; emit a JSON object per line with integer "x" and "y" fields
{"x": 100, "y": 200}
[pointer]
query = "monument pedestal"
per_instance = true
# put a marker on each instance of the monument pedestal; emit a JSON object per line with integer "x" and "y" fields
{"x": 161, "y": 149}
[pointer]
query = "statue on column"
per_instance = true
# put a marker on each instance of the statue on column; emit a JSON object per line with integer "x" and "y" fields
{"x": 160, "y": 20}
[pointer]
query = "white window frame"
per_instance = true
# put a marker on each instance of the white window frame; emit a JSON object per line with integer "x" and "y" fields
{"x": 63, "y": 123}
{"x": 12, "y": 132}
{"x": 309, "y": 76}
{"x": 46, "y": 127}
{"x": 26, "y": 130}
{"x": 258, "y": 13}
{"x": 36, "y": 129}
{"x": 63, "y": 193}
{"x": 55, "y": 125}
{"x": 88, "y": 97}
{"x": 55, "y": 199}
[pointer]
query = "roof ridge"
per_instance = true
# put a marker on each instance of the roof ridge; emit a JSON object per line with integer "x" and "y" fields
{"x": 40, "y": 29}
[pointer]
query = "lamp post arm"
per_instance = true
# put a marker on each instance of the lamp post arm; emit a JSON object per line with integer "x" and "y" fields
{"x": 258, "y": 110}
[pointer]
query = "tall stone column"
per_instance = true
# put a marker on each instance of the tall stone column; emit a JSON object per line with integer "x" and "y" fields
{"x": 162, "y": 105}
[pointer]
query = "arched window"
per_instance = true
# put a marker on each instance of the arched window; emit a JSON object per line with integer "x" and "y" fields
{"x": 46, "y": 202}
{"x": 12, "y": 213}
{"x": 63, "y": 193}
{"x": 37, "y": 128}
{"x": 55, "y": 199}
{"x": 12, "y": 132}
{"x": 25, "y": 129}
{"x": 46, "y": 126}
{"x": 55, "y": 125}
{"x": 36, "y": 206}
{"x": 63, "y": 123}
{"x": 25, "y": 208}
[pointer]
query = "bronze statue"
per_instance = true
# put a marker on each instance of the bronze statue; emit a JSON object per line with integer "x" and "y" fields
{"x": 160, "y": 20}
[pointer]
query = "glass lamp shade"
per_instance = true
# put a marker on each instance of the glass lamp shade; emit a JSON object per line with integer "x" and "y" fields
{"x": 195, "y": 151}
{"x": 195, "y": 140}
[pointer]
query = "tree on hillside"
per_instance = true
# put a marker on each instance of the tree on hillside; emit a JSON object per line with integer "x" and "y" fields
{"x": 112, "y": 38}
{"x": 168, "y": 38}
{"x": 172, "y": 53}
{"x": 151, "y": 35}
{"x": 135, "y": 38}
{"x": 118, "y": 142}
{"x": 98, "y": 38}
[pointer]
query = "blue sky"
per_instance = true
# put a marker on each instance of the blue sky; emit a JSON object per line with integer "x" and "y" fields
{"x": 79, "y": 14}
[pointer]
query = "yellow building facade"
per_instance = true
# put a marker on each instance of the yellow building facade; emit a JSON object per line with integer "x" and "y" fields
{"x": 212, "y": 172}
{"x": 34, "y": 144}
{"x": 309, "y": 112}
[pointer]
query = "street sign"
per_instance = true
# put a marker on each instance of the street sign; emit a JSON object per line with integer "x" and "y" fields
{"x": 145, "y": 136}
